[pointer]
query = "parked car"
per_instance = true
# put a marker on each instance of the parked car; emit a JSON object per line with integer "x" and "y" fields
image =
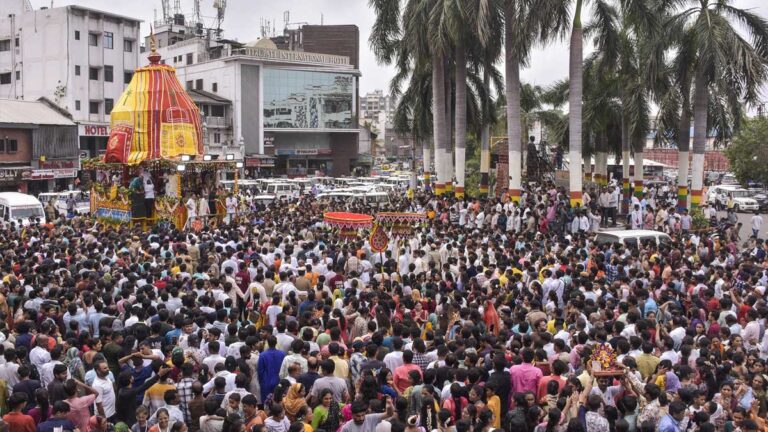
{"x": 762, "y": 200}
{"x": 742, "y": 199}
{"x": 632, "y": 237}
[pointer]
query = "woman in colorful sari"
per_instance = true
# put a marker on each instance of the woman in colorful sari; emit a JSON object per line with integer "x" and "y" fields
{"x": 74, "y": 364}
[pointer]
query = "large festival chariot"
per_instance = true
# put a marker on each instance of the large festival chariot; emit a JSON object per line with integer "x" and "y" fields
{"x": 156, "y": 137}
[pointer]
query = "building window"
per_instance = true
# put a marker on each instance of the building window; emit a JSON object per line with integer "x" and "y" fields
{"x": 128, "y": 45}
{"x": 108, "y": 74}
{"x": 215, "y": 87}
{"x": 11, "y": 146}
{"x": 5, "y": 45}
{"x": 93, "y": 108}
{"x": 189, "y": 58}
{"x": 198, "y": 84}
{"x": 5, "y": 78}
{"x": 109, "y": 40}
{"x": 16, "y": 42}
{"x": 77, "y": 105}
{"x": 127, "y": 76}
{"x": 189, "y": 85}
{"x": 18, "y": 75}
{"x": 77, "y": 70}
{"x": 108, "y": 105}
{"x": 2, "y": 146}
{"x": 330, "y": 97}
{"x": 77, "y": 34}
{"x": 217, "y": 111}
{"x": 93, "y": 74}
{"x": 216, "y": 138}
{"x": 93, "y": 39}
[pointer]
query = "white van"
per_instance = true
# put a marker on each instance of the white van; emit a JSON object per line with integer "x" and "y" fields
{"x": 378, "y": 200}
{"x": 16, "y": 206}
{"x": 342, "y": 196}
{"x": 632, "y": 237}
{"x": 282, "y": 190}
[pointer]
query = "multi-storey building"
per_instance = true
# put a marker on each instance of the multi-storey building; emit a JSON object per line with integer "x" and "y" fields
{"x": 282, "y": 111}
{"x": 80, "y": 58}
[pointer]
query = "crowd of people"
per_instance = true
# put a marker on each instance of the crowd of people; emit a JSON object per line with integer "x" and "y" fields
{"x": 484, "y": 318}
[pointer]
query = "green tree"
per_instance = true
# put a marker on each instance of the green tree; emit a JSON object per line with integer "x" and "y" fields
{"x": 722, "y": 58}
{"x": 748, "y": 151}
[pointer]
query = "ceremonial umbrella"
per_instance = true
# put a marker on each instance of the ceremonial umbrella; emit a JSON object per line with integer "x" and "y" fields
{"x": 348, "y": 223}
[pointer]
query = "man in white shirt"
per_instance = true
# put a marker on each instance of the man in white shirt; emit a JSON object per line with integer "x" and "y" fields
{"x": 46, "y": 375}
{"x": 39, "y": 355}
{"x": 757, "y": 223}
{"x": 463, "y": 215}
{"x": 9, "y": 371}
{"x": 403, "y": 261}
{"x": 394, "y": 359}
{"x": 214, "y": 358}
{"x": 604, "y": 202}
{"x": 636, "y": 217}
{"x": 751, "y": 332}
{"x": 614, "y": 204}
{"x": 231, "y": 204}
{"x": 149, "y": 194}
{"x": 104, "y": 405}
{"x": 191, "y": 206}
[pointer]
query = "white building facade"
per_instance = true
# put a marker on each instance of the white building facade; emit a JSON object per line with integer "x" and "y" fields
{"x": 293, "y": 112}
{"x": 78, "y": 57}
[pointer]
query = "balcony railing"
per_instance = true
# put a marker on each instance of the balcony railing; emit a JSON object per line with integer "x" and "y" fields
{"x": 218, "y": 122}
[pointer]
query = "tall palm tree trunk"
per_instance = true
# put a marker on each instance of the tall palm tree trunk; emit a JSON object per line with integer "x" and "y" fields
{"x": 485, "y": 147}
{"x": 576, "y": 64}
{"x": 426, "y": 162}
{"x": 413, "y": 180}
{"x": 448, "y": 155}
{"x": 461, "y": 116}
{"x": 438, "y": 120}
{"x": 639, "y": 168}
{"x": 512, "y": 84}
{"x": 683, "y": 157}
{"x": 699, "y": 137}
{"x": 625, "y": 155}
{"x": 601, "y": 161}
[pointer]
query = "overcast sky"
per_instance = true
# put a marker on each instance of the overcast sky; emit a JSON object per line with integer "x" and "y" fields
{"x": 243, "y": 20}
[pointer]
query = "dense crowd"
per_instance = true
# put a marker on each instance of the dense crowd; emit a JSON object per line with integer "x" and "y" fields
{"x": 485, "y": 318}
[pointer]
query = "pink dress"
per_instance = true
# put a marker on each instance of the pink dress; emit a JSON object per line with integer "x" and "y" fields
{"x": 79, "y": 413}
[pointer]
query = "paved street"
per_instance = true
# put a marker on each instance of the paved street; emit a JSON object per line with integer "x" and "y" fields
{"x": 746, "y": 229}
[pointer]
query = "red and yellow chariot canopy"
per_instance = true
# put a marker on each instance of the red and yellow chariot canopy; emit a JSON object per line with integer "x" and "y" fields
{"x": 154, "y": 118}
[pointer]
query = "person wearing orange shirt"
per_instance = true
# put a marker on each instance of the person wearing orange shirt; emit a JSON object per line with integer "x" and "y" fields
{"x": 251, "y": 412}
{"x": 18, "y": 421}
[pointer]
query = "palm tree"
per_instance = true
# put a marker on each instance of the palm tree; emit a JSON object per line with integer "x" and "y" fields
{"x": 514, "y": 44}
{"x": 486, "y": 23}
{"x": 723, "y": 58}
{"x": 413, "y": 115}
{"x": 525, "y": 22}
{"x": 628, "y": 44}
{"x": 575, "y": 89}
{"x": 397, "y": 36}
